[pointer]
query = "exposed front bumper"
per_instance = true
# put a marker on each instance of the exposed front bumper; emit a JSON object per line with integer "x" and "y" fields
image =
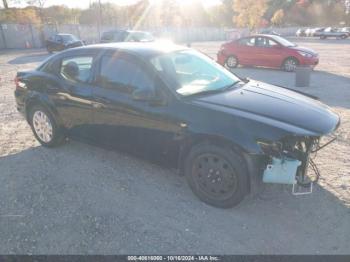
{"x": 312, "y": 61}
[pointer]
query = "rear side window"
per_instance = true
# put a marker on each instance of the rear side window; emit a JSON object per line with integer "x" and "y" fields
{"x": 121, "y": 74}
{"x": 47, "y": 68}
{"x": 107, "y": 36}
{"x": 247, "y": 41}
{"x": 76, "y": 69}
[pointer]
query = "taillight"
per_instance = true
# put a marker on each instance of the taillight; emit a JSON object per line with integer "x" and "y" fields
{"x": 19, "y": 84}
{"x": 16, "y": 82}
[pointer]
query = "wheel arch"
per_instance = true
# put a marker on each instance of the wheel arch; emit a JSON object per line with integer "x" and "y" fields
{"x": 247, "y": 158}
{"x": 290, "y": 57}
{"x": 39, "y": 100}
{"x": 234, "y": 55}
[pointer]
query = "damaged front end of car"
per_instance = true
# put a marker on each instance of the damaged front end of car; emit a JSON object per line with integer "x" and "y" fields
{"x": 291, "y": 161}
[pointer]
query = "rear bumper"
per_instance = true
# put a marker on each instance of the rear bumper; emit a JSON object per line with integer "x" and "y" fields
{"x": 20, "y": 105}
{"x": 221, "y": 58}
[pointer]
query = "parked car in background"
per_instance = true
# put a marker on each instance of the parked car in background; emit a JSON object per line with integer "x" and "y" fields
{"x": 61, "y": 42}
{"x": 219, "y": 130}
{"x": 266, "y": 51}
{"x": 114, "y": 36}
{"x": 345, "y": 30}
{"x": 269, "y": 32}
{"x": 308, "y": 32}
{"x": 318, "y": 31}
{"x": 300, "y": 32}
{"x": 333, "y": 32}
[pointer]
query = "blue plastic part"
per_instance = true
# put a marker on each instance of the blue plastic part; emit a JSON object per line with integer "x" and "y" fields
{"x": 281, "y": 171}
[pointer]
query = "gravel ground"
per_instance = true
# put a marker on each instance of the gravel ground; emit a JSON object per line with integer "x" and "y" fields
{"x": 80, "y": 199}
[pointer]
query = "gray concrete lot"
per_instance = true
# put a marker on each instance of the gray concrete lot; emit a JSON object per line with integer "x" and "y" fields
{"x": 80, "y": 199}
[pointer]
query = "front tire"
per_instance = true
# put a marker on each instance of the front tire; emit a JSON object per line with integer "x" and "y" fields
{"x": 44, "y": 127}
{"x": 216, "y": 175}
{"x": 290, "y": 64}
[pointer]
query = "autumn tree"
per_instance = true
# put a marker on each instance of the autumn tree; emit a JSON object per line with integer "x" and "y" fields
{"x": 278, "y": 17}
{"x": 19, "y": 15}
{"x": 171, "y": 13}
{"x": 249, "y": 13}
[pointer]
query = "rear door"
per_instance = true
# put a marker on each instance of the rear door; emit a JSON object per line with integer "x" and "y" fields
{"x": 246, "y": 52}
{"x": 72, "y": 92}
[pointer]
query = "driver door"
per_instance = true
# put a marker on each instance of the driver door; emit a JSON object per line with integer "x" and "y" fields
{"x": 269, "y": 53}
{"x": 136, "y": 126}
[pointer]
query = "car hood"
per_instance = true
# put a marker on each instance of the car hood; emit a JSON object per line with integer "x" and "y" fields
{"x": 264, "y": 102}
{"x": 304, "y": 49}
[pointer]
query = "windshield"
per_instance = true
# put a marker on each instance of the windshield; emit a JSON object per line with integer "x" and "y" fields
{"x": 190, "y": 72}
{"x": 283, "y": 41}
{"x": 67, "y": 38}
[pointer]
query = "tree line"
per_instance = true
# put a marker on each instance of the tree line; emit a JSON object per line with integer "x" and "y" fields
{"x": 169, "y": 13}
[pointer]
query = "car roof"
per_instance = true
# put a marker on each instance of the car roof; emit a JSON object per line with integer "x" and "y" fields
{"x": 264, "y": 35}
{"x": 148, "y": 49}
{"x": 122, "y": 30}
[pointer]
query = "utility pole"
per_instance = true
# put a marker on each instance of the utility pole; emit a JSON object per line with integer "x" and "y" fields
{"x": 6, "y": 6}
{"x": 99, "y": 19}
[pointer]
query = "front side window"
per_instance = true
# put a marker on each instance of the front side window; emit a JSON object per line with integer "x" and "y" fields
{"x": 189, "y": 72}
{"x": 76, "y": 69}
{"x": 121, "y": 74}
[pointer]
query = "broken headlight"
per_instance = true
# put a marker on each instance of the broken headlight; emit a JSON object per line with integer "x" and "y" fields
{"x": 271, "y": 148}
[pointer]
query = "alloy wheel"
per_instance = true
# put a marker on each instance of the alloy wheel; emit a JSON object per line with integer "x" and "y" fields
{"x": 42, "y": 126}
{"x": 231, "y": 62}
{"x": 290, "y": 65}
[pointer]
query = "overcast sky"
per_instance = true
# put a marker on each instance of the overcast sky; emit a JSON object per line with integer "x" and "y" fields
{"x": 85, "y": 3}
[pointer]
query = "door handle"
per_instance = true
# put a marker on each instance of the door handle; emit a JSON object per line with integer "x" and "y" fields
{"x": 62, "y": 97}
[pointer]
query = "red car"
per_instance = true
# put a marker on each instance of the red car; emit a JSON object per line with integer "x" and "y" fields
{"x": 266, "y": 51}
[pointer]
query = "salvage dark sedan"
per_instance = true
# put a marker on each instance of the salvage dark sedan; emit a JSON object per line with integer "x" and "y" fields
{"x": 61, "y": 42}
{"x": 221, "y": 131}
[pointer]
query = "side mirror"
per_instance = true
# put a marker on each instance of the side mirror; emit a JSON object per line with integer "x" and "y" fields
{"x": 143, "y": 94}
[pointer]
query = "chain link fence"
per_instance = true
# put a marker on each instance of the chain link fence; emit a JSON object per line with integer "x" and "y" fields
{"x": 32, "y": 36}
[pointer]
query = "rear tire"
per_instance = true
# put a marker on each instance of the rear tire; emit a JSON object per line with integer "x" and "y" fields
{"x": 231, "y": 62}
{"x": 44, "y": 127}
{"x": 216, "y": 175}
